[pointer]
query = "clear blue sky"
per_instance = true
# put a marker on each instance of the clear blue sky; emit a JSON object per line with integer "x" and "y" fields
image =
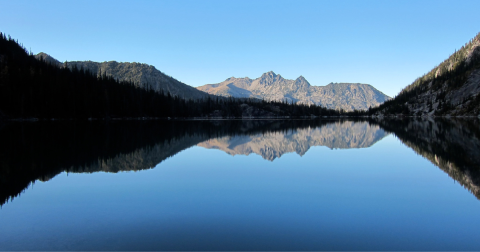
{"x": 383, "y": 43}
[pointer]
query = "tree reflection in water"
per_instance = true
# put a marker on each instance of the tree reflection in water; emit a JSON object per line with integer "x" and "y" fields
{"x": 41, "y": 150}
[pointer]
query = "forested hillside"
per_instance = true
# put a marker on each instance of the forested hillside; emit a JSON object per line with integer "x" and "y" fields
{"x": 32, "y": 88}
{"x": 449, "y": 89}
{"x": 141, "y": 75}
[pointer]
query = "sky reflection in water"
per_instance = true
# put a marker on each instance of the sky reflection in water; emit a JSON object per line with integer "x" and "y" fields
{"x": 382, "y": 196}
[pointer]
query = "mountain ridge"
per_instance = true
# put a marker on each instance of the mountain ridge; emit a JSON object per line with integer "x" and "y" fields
{"x": 272, "y": 86}
{"x": 141, "y": 74}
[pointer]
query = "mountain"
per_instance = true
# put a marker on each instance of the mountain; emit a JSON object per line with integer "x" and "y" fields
{"x": 143, "y": 75}
{"x": 49, "y": 59}
{"x": 41, "y": 88}
{"x": 449, "y": 89}
{"x": 272, "y": 145}
{"x": 271, "y": 86}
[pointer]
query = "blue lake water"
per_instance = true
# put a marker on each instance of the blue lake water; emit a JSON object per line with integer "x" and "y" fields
{"x": 241, "y": 185}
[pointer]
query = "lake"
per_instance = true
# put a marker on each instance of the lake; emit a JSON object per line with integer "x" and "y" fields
{"x": 396, "y": 184}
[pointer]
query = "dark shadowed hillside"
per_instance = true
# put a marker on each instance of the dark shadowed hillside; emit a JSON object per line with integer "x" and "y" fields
{"x": 142, "y": 75}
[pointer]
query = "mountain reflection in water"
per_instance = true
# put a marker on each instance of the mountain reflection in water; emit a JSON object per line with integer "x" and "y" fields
{"x": 272, "y": 145}
{"x": 40, "y": 151}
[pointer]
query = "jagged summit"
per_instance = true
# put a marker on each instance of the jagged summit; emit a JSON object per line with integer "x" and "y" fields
{"x": 269, "y": 73}
{"x": 269, "y": 78}
{"x": 272, "y": 86}
{"x": 302, "y": 81}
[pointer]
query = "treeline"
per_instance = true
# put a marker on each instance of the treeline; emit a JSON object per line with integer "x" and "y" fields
{"x": 31, "y": 88}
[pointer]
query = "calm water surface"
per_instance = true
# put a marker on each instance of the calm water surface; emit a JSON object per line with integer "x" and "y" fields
{"x": 241, "y": 185}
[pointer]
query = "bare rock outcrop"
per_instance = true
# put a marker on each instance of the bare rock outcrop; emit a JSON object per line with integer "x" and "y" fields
{"x": 273, "y": 87}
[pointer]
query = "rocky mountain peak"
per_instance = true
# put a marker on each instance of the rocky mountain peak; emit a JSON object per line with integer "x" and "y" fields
{"x": 269, "y": 74}
{"x": 47, "y": 58}
{"x": 270, "y": 86}
{"x": 302, "y": 81}
{"x": 270, "y": 78}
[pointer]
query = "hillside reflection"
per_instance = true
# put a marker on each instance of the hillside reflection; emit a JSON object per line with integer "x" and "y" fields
{"x": 451, "y": 145}
{"x": 40, "y": 151}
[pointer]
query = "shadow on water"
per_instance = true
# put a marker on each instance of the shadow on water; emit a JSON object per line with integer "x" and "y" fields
{"x": 41, "y": 150}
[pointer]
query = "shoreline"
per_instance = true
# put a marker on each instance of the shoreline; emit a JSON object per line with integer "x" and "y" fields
{"x": 34, "y": 119}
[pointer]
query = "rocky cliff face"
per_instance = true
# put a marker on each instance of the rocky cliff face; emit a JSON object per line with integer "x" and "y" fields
{"x": 271, "y": 86}
{"x": 450, "y": 89}
{"x": 143, "y": 75}
{"x": 341, "y": 135}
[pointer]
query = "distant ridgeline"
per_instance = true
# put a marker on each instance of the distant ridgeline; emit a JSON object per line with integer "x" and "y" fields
{"x": 450, "y": 89}
{"x": 270, "y": 86}
{"x": 273, "y": 87}
{"x": 33, "y": 88}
